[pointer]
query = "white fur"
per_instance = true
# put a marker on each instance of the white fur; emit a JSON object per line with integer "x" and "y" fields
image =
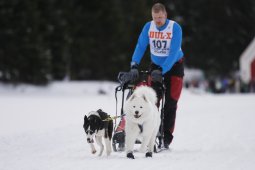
{"x": 144, "y": 101}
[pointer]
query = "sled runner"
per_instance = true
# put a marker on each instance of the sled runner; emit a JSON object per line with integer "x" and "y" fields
{"x": 128, "y": 84}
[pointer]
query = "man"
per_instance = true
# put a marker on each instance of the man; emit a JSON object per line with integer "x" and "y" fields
{"x": 164, "y": 37}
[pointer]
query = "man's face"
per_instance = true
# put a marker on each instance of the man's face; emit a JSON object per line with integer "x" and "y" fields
{"x": 159, "y": 18}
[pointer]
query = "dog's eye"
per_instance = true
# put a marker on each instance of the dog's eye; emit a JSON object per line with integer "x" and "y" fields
{"x": 141, "y": 107}
{"x": 89, "y": 132}
{"x": 133, "y": 106}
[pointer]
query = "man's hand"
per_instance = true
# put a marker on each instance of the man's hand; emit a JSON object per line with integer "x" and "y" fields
{"x": 156, "y": 76}
{"x": 134, "y": 73}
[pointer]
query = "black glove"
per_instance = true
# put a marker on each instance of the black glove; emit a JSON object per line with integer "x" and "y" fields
{"x": 124, "y": 77}
{"x": 156, "y": 76}
{"x": 134, "y": 73}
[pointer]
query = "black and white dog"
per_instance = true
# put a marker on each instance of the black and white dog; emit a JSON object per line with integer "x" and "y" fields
{"x": 98, "y": 125}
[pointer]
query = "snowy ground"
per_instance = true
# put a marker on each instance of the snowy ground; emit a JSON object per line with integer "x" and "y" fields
{"x": 41, "y": 129}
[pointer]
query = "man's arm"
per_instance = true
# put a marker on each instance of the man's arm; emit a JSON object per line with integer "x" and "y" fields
{"x": 175, "y": 48}
{"x": 141, "y": 45}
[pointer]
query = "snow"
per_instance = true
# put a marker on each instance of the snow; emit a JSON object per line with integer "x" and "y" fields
{"x": 41, "y": 128}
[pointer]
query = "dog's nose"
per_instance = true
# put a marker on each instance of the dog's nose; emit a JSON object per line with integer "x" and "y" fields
{"x": 89, "y": 140}
{"x": 136, "y": 112}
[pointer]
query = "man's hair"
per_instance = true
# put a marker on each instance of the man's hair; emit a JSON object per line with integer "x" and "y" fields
{"x": 156, "y": 8}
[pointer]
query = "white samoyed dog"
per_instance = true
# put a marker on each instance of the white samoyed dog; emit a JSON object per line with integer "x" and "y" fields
{"x": 142, "y": 119}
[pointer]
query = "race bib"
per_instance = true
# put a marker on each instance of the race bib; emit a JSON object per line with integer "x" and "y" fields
{"x": 160, "y": 41}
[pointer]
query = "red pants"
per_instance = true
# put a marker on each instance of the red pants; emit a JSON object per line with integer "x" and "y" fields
{"x": 173, "y": 81}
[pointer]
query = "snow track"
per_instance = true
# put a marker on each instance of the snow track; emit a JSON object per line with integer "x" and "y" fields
{"x": 41, "y": 128}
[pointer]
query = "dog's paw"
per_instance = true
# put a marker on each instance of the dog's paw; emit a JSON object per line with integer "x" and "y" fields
{"x": 148, "y": 154}
{"x": 130, "y": 155}
{"x": 93, "y": 151}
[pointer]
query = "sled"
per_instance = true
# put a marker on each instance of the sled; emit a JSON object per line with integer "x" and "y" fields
{"x": 126, "y": 87}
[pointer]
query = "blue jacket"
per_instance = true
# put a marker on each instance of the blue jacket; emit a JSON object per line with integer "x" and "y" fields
{"x": 175, "y": 53}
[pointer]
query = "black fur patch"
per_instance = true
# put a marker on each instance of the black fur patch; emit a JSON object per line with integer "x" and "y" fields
{"x": 130, "y": 155}
{"x": 141, "y": 128}
{"x": 96, "y": 123}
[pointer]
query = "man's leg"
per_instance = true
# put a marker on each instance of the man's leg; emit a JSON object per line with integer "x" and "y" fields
{"x": 173, "y": 82}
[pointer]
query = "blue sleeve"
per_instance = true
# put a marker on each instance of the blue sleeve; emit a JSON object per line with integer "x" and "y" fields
{"x": 142, "y": 44}
{"x": 175, "y": 49}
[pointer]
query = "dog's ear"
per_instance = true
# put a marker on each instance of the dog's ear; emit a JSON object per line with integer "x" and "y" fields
{"x": 85, "y": 119}
{"x": 144, "y": 98}
{"x": 85, "y": 122}
{"x": 132, "y": 97}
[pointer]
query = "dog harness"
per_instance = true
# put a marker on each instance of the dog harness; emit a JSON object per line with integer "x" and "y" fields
{"x": 105, "y": 124}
